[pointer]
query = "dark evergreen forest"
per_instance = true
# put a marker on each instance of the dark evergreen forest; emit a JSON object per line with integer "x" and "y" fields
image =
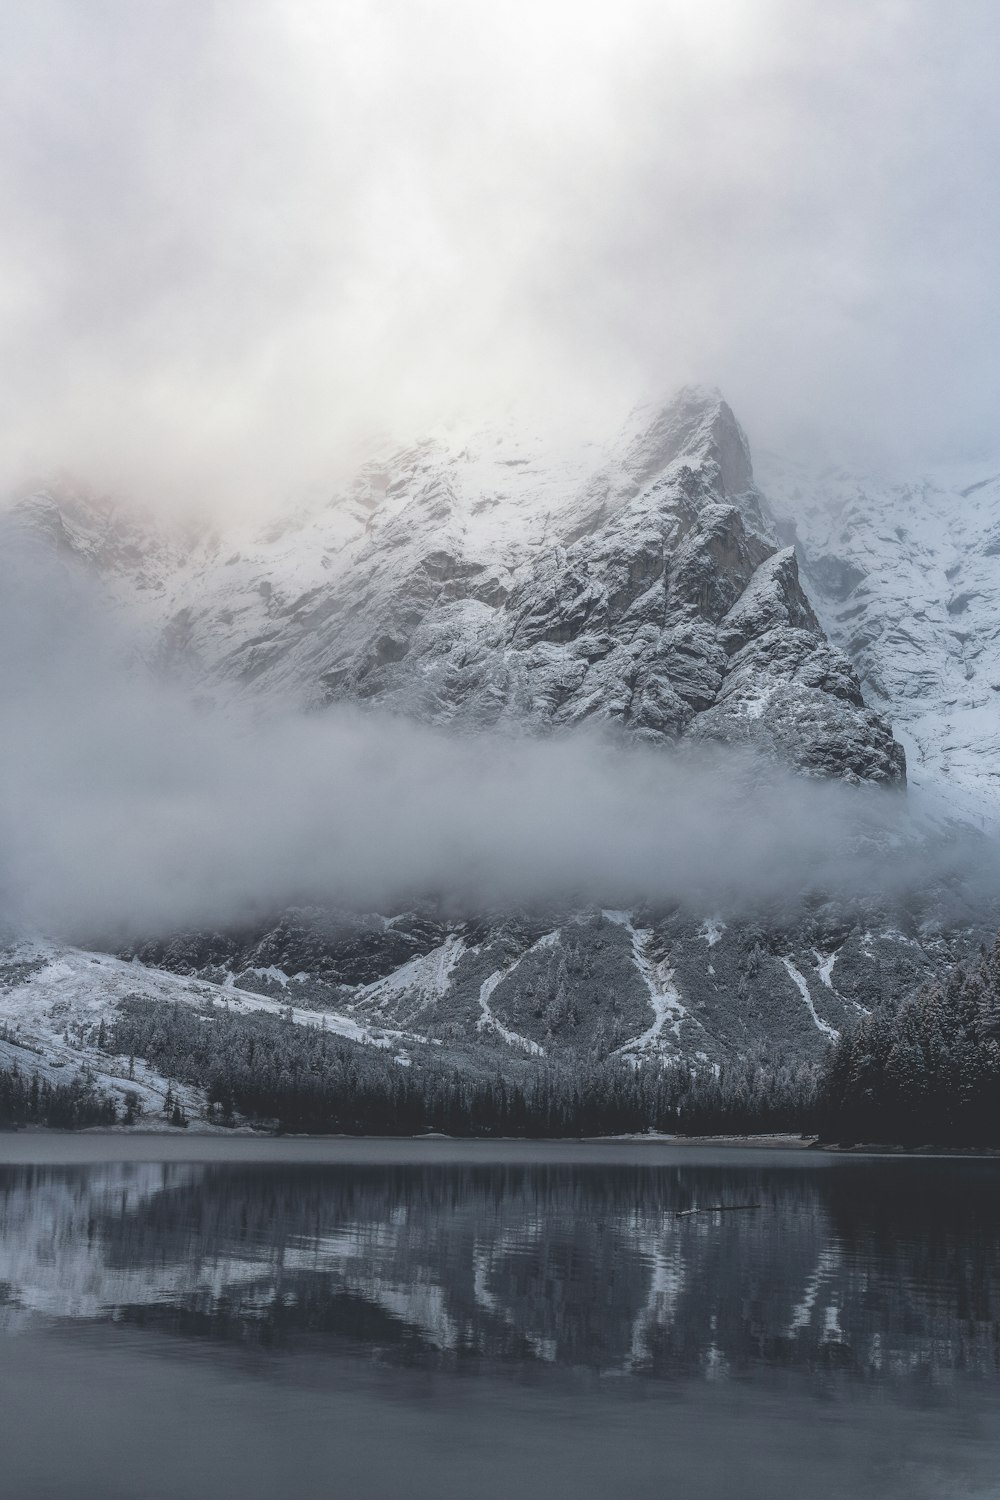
{"x": 923, "y": 1072}
{"x": 305, "y": 1079}
{"x": 26, "y": 1099}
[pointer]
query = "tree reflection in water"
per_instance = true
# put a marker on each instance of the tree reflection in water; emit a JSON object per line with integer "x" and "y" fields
{"x": 880, "y": 1270}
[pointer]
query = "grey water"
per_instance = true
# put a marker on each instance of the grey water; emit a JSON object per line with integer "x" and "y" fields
{"x": 200, "y": 1319}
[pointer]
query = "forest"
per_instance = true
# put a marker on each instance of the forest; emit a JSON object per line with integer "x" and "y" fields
{"x": 264, "y": 1067}
{"x": 26, "y": 1099}
{"x": 926, "y": 1071}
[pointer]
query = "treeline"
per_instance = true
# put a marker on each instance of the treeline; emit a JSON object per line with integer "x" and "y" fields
{"x": 925, "y": 1072}
{"x": 27, "y": 1099}
{"x": 265, "y": 1068}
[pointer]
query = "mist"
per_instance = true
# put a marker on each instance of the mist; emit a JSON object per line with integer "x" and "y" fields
{"x": 127, "y": 810}
{"x": 239, "y": 235}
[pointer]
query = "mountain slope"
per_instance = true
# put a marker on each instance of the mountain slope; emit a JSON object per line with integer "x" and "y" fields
{"x": 55, "y": 1001}
{"x": 483, "y": 583}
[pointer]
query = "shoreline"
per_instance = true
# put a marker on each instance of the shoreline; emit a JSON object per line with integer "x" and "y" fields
{"x": 111, "y": 1144}
{"x": 202, "y": 1131}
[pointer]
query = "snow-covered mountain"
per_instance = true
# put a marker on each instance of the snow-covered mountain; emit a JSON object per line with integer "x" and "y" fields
{"x": 55, "y": 1002}
{"x": 487, "y": 582}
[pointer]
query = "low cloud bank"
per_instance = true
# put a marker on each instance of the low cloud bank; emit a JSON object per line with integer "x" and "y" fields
{"x": 126, "y": 810}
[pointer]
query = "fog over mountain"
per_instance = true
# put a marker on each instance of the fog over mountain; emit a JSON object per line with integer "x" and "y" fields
{"x": 612, "y": 723}
{"x": 501, "y": 517}
{"x": 128, "y": 813}
{"x": 499, "y": 748}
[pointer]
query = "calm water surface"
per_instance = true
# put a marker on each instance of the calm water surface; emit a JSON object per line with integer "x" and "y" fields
{"x": 198, "y": 1320}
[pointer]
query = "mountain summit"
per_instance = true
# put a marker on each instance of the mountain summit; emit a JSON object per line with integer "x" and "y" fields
{"x": 696, "y": 424}
{"x": 482, "y": 586}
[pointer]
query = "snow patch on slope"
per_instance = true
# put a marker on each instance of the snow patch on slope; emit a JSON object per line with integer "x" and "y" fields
{"x": 803, "y": 989}
{"x": 904, "y": 573}
{"x": 490, "y": 1021}
{"x": 711, "y": 930}
{"x": 669, "y": 1010}
{"x": 422, "y": 981}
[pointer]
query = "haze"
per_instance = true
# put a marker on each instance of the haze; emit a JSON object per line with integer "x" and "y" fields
{"x": 125, "y": 809}
{"x": 240, "y": 234}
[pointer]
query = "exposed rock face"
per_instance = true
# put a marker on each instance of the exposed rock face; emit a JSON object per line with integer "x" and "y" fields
{"x": 491, "y": 590}
{"x": 658, "y": 600}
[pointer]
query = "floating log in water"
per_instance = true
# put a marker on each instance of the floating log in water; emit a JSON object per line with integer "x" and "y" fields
{"x": 717, "y": 1208}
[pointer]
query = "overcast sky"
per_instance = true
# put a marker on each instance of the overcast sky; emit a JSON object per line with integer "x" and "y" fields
{"x": 235, "y": 233}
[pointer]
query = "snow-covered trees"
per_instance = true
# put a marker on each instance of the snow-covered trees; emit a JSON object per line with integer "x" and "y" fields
{"x": 301, "y": 1078}
{"x": 926, "y": 1071}
{"x": 26, "y": 1099}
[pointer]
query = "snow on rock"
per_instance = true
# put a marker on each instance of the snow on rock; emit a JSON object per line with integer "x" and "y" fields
{"x": 415, "y": 986}
{"x": 668, "y": 1009}
{"x": 487, "y": 581}
{"x": 54, "y": 998}
{"x": 772, "y": 597}
{"x": 824, "y": 967}
{"x": 803, "y": 988}
{"x": 711, "y": 930}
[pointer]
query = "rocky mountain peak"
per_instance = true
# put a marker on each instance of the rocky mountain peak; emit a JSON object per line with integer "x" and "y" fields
{"x": 696, "y": 425}
{"x": 486, "y": 588}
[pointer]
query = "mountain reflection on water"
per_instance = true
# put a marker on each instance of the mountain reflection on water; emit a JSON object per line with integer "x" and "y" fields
{"x": 880, "y": 1270}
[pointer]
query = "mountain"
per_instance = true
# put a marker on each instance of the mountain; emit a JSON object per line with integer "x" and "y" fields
{"x": 487, "y": 583}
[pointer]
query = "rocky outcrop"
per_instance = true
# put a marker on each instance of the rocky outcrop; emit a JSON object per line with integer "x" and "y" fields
{"x": 650, "y": 594}
{"x": 660, "y": 603}
{"x": 789, "y": 692}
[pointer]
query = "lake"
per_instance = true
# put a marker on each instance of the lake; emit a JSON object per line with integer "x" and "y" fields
{"x": 205, "y": 1318}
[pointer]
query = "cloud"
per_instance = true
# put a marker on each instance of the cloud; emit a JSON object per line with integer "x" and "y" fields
{"x": 239, "y": 233}
{"x": 124, "y": 810}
